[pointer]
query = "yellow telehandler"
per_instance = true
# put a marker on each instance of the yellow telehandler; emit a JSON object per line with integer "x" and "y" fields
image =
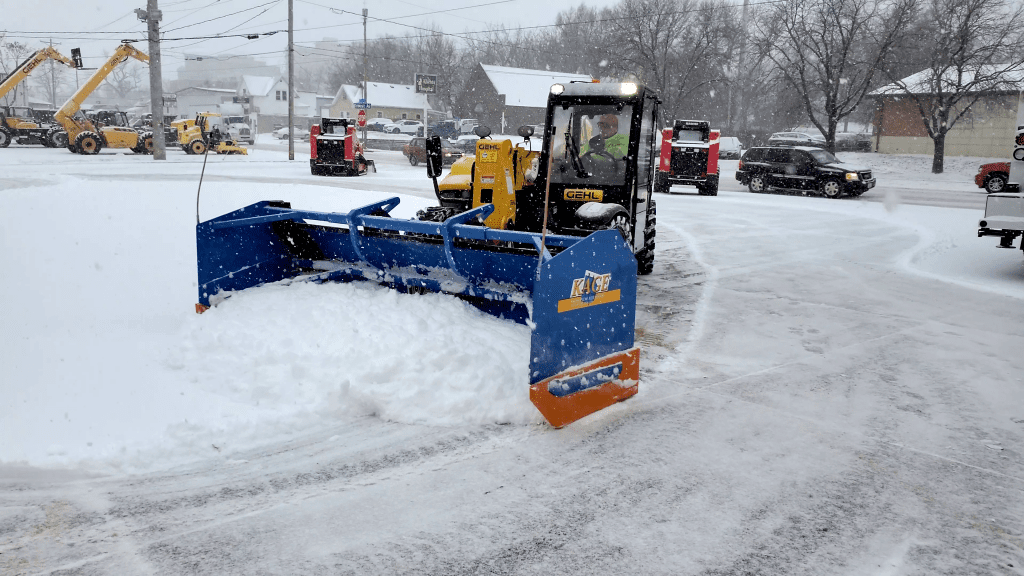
{"x": 17, "y": 123}
{"x": 86, "y": 137}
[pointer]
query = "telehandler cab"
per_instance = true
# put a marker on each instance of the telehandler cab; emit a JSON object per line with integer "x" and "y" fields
{"x": 85, "y": 137}
{"x": 18, "y": 123}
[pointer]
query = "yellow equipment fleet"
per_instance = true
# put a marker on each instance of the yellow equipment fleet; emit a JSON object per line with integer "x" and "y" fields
{"x": 86, "y": 137}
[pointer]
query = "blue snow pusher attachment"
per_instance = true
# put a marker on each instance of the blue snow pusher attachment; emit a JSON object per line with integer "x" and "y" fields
{"x": 580, "y": 303}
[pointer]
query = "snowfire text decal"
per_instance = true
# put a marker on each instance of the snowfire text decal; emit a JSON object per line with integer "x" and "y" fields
{"x": 584, "y": 194}
{"x": 590, "y": 290}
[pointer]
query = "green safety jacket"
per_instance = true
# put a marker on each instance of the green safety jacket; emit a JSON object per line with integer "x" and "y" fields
{"x": 617, "y": 145}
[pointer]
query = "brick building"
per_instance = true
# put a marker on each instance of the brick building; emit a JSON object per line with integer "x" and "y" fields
{"x": 987, "y": 129}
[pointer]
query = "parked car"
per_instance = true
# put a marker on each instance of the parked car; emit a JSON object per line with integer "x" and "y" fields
{"x": 466, "y": 125}
{"x": 382, "y": 125}
{"x": 801, "y": 168}
{"x": 853, "y": 141}
{"x": 466, "y": 143}
{"x": 993, "y": 176}
{"x": 414, "y": 127}
{"x": 416, "y": 151}
{"x": 300, "y": 133}
{"x": 729, "y": 147}
{"x": 445, "y": 129}
{"x": 795, "y": 139}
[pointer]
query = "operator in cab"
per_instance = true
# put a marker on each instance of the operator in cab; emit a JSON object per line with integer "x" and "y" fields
{"x": 608, "y": 130}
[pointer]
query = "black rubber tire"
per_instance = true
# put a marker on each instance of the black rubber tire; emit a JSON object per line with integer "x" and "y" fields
{"x": 831, "y": 188}
{"x": 145, "y": 145}
{"x": 757, "y": 184}
{"x": 88, "y": 143}
{"x": 57, "y": 137}
{"x": 197, "y": 146}
{"x": 645, "y": 257}
{"x": 661, "y": 184}
{"x": 413, "y": 160}
{"x": 995, "y": 183}
{"x": 5, "y": 137}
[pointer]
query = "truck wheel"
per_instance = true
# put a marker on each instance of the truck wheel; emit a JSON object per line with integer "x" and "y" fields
{"x": 197, "y": 146}
{"x": 5, "y": 137}
{"x": 995, "y": 183}
{"x": 757, "y": 184}
{"x": 88, "y": 143}
{"x": 831, "y": 188}
{"x": 711, "y": 190}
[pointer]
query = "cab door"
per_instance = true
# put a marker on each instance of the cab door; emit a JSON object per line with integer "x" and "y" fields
{"x": 805, "y": 175}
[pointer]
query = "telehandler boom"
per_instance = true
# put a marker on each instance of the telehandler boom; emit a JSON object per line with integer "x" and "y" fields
{"x": 25, "y": 130}
{"x": 85, "y": 137}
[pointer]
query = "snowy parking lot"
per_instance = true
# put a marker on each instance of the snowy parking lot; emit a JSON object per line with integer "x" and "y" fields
{"x": 827, "y": 387}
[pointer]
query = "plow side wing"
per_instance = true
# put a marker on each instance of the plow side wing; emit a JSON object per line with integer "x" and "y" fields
{"x": 582, "y": 357}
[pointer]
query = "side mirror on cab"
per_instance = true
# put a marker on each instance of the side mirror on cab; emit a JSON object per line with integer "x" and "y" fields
{"x": 434, "y": 155}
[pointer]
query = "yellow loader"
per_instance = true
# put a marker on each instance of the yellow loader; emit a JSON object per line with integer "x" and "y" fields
{"x": 196, "y": 136}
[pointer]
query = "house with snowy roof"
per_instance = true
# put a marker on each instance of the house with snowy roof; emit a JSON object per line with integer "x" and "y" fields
{"x": 266, "y": 99}
{"x": 504, "y": 99}
{"x": 387, "y": 100}
{"x": 987, "y": 129}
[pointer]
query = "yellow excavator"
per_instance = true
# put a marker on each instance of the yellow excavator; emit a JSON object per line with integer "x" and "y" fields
{"x": 195, "y": 136}
{"x": 86, "y": 137}
{"x": 16, "y": 123}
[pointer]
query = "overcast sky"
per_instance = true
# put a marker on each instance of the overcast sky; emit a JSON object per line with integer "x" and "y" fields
{"x": 97, "y": 26}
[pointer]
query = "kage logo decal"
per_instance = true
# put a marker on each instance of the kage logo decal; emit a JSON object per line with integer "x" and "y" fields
{"x": 591, "y": 290}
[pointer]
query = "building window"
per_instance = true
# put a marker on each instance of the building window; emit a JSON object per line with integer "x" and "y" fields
{"x": 418, "y": 117}
{"x": 404, "y": 116}
{"x": 380, "y": 114}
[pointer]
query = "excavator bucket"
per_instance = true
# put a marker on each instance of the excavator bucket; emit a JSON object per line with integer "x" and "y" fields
{"x": 578, "y": 294}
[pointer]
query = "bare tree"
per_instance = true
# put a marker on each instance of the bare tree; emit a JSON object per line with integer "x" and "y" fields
{"x": 830, "y": 51}
{"x": 54, "y": 81}
{"x": 12, "y": 55}
{"x": 645, "y": 34}
{"x": 126, "y": 79}
{"x": 972, "y": 48}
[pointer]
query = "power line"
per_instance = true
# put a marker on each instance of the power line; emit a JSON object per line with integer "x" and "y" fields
{"x": 224, "y": 16}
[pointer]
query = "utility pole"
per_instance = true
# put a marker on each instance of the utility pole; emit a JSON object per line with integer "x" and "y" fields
{"x": 291, "y": 91}
{"x": 366, "y": 97}
{"x": 151, "y": 15}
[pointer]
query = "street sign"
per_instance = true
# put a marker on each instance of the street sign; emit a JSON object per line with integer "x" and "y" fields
{"x": 426, "y": 83}
{"x": 361, "y": 105}
{"x": 361, "y": 118}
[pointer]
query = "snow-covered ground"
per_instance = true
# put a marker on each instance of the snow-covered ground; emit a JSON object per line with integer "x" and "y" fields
{"x": 828, "y": 387}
